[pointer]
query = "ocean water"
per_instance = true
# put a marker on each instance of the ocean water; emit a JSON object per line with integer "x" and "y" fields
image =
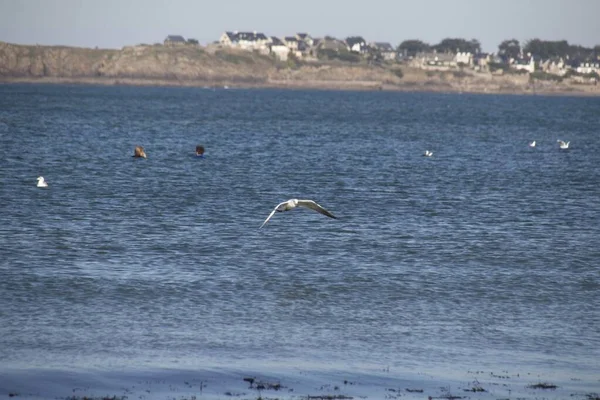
{"x": 483, "y": 257}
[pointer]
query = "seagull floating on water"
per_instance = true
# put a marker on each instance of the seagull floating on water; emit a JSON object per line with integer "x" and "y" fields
{"x": 428, "y": 153}
{"x": 563, "y": 144}
{"x": 41, "y": 182}
{"x": 293, "y": 203}
{"x": 532, "y": 144}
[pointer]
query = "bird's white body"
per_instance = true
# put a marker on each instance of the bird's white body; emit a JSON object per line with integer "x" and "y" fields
{"x": 293, "y": 203}
{"x": 428, "y": 153}
{"x": 563, "y": 144}
{"x": 41, "y": 182}
{"x": 532, "y": 144}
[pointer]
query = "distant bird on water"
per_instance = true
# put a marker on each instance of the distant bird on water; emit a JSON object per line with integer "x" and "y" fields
{"x": 200, "y": 151}
{"x": 532, "y": 144}
{"x": 428, "y": 153}
{"x": 139, "y": 152}
{"x": 562, "y": 144}
{"x": 41, "y": 182}
{"x": 293, "y": 203}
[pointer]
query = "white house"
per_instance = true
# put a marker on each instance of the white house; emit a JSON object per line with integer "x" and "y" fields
{"x": 279, "y": 49}
{"x": 357, "y": 44}
{"x": 465, "y": 58}
{"x": 588, "y": 67}
{"x": 386, "y": 50}
{"x": 434, "y": 61}
{"x": 524, "y": 64}
{"x": 291, "y": 42}
{"x": 245, "y": 40}
{"x": 306, "y": 38}
{"x": 174, "y": 40}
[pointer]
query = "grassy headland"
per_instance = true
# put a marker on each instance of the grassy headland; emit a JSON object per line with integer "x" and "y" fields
{"x": 215, "y": 66}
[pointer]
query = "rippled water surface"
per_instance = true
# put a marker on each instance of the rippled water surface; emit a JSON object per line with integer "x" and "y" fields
{"x": 485, "y": 255}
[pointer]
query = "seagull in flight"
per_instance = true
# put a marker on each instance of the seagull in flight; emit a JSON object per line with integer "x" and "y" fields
{"x": 428, "y": 153}
{"x": 293, "y": 203}
{"x": 41, "y": 182}
{"x": 563, "y": 144}
{"x": 532, "y": 144}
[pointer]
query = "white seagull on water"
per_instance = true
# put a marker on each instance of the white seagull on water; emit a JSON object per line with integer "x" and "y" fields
{"x": 428, "y": 153}
{"x": 563, "y": 144}
{"x": 532, "y": 144}
{"x": 293, "y": 203}
{"x": 41, "y": 182}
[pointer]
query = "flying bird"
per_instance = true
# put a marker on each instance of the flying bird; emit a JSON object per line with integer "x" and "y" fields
{"x": 428, "y": 153}
{"x": 139, "y": 152}
{"x": 563, "y": 144}
{"x": 532, "y": 144}
{"x": 293, "y": 203}
{"x": 41, "y": 182}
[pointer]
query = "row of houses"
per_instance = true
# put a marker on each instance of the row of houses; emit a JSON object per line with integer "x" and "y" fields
{"x": 304, "y": 46}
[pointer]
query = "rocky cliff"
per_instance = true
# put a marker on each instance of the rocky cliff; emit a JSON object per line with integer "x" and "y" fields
{"x": 214, "y": 66}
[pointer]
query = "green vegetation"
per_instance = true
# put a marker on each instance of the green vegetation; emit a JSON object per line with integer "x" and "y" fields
{"x": 549, "y": 49}
{"x": 398, "y": 72}
{"x": 292, "y": 61}
{"x": 544, "y": 76}
{"x": 342, "y": 55}
{"x": 412, "y": 47}
{"x": 453, "y": 45}
{"x": 509, "y": 49}
{"x": 235, "y": 58}
{"x": 494, "y": 66}
{"x": 448, "y": 45}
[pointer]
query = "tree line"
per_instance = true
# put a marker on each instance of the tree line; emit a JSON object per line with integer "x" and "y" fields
{"x": 510, "y": 48}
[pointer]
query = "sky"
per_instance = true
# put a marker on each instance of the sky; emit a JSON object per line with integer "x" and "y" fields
{"x": 118, "y": 23}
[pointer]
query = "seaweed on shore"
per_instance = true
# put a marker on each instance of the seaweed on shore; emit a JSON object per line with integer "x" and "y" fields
{"x": 475, "y": 389}
{"x": 260, "y": 385}
{"x": 543, "y": 385}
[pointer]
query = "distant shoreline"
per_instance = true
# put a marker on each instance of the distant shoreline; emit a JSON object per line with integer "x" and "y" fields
{"x": 215, "y": 66}
{"x": 292, "y": 85}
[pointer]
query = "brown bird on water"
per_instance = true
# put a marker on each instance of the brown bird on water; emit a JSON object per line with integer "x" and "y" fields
{"x": 139, "y": 152}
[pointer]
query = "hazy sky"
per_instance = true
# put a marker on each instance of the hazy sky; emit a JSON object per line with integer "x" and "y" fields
{"x": 118, "y": 23}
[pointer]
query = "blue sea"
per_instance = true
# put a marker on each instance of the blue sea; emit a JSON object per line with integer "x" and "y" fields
{"x": 479, "y": 265}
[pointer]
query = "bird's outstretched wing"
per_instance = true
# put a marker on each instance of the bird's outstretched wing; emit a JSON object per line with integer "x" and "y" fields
{"x": 314, "y": 206}
{"x": 268, "y": 218}
{"x": 270, "y": 215}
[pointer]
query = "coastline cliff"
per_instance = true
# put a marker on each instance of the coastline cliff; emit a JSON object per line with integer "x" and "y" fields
{"x": 215, "y": 66}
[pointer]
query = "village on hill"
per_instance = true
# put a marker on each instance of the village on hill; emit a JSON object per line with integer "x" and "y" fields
{"x": 549, "y": 60}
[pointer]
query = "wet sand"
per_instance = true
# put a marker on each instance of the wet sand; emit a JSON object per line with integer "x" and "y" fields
{"x": 286, "y": 383}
